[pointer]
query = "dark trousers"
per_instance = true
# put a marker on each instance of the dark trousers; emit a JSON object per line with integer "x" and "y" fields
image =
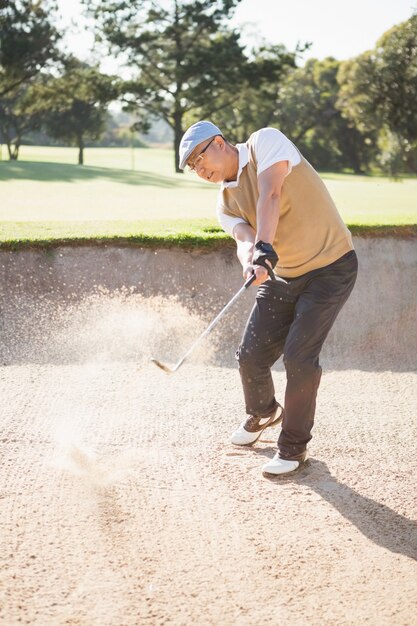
{"x": 292, "y": 320}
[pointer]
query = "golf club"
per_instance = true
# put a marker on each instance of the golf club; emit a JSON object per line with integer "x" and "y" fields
{"x": 171, "y": 370}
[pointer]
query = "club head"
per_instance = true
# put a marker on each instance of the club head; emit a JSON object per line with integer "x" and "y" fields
{"x": 163, "y": 367}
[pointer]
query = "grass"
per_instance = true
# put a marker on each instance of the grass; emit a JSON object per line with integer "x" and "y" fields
{"x": 178, "y": 232}
{"x": 137, "y": 197}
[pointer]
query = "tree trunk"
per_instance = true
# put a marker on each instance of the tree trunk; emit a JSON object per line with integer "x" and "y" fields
{"x": 356, "y": 162}
{"x": 178, "y": 133}
{"x": 351, "y": 146}
{"x": 13, "y": 150}
{"x": 80, "y": 150}
{"x": 411, "y": 161}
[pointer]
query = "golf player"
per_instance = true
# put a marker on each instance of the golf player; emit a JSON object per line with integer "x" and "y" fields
{"x": 289, "y": 234}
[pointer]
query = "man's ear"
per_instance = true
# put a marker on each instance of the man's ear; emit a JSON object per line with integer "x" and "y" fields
{"x": 221, "y": 142}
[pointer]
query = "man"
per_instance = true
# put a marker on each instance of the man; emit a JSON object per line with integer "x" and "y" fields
{"x": 290, "y": 235}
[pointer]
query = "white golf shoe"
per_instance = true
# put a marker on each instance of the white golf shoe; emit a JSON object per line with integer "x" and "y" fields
{"x": 252, "y": 428}
{"x": 277, "y": 466}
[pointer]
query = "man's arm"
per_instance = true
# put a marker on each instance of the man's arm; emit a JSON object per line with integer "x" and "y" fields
{"x": 269, "y": 183}
{"x": 244, "y": 236}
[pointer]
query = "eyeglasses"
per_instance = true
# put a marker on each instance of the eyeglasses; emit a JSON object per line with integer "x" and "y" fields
{"x": 192, "y": 167}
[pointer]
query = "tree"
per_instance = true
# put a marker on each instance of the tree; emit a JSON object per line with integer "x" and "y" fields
{"x": 378, "y": 90}
{"x": 74, "y": 105}
{"x": 307, "y": 111}
{"x": 305, "y": 99}
{"x": 17, "y": 117}
{"x": 256, "y": 103}
{"x": 27, "y": 41}
{"x": 184, "y": 55}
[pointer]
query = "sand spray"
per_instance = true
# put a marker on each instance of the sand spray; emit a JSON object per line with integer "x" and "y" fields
{"x": 93, "y": 340}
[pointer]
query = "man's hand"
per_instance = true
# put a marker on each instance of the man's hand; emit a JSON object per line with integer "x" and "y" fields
{"x": 265, "y": 255}
{"x": 260, "y": 272}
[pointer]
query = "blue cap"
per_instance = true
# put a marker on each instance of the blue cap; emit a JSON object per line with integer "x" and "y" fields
{"x": 198, "y": 132}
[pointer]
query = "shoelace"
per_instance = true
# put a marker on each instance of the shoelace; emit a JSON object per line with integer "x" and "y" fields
{"x": 253, "y": 421}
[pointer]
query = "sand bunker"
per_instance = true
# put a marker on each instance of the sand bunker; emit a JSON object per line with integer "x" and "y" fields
{"x": 122, "y": 501}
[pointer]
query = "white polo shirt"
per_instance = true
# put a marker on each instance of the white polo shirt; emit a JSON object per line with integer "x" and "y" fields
{"x": 270, "y": 146}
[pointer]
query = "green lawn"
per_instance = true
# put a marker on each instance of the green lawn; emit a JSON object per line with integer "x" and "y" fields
{"x": 46, "y": 196}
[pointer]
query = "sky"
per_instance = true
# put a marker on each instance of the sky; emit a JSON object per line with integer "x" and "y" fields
{"x": 339, "y": 29}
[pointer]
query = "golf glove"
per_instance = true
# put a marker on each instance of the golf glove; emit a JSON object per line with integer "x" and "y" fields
{"x": 265, "y": 252}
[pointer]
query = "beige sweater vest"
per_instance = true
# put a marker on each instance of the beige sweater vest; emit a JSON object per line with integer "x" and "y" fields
{"x": 310, "y": 234}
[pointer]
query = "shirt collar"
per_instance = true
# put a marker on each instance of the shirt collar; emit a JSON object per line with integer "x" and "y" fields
{"x": 243, "y": 161}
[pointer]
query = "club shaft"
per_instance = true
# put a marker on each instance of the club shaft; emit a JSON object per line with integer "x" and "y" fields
{"x": 215, "y": 321}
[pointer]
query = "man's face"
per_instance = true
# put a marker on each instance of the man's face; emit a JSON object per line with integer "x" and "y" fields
{"x": 208, "y": 160}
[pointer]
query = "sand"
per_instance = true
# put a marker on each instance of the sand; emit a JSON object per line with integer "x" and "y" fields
{"x": 123, "y": 503}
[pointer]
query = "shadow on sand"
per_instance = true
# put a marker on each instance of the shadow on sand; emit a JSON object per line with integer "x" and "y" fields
{"x": 382, "y": 525}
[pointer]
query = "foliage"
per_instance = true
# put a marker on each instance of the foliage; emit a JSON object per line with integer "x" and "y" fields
{"x": 256, "y": 102}
{"x": 115, "y": 135}
{"x": 17, "y": 117}
{"x": 391, "y": 151}
{"x": 27, "y": 41}
{"x": 308, "y": 113}
{"x": 184, "y": 54}
{"x": 74, "y": 105}
{"x": 187, "y": 63}
{"x": 378, "y": 91}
